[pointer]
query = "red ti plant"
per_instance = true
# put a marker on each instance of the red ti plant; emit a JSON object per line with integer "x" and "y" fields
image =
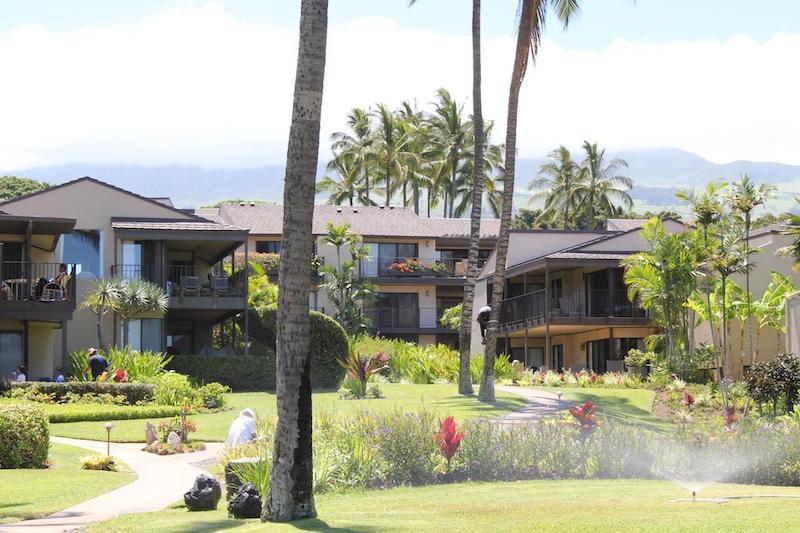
{"x": 361, "y": 367}
{"x": 593, "y": 377}
{"x": 585, "y": 417}
{"x": 730, "y": 416}
{"x": 449, "y": 438}
{"x": 688, "y": 399}
{"x": 120, "y": 376}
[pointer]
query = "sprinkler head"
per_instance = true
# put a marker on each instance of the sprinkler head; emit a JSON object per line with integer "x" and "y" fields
{"x": 694, "y": 495}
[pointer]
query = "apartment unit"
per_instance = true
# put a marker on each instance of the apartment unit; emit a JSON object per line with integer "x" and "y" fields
{"x": 565, "y": 303}
{"x": 104, "y": 231}
{"x": 408, "y": 304}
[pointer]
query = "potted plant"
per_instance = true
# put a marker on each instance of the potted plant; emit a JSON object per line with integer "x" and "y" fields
{"x": 439, "y": 269}
{"x": 409, "y": 267}
{"x": 638, "y": 361}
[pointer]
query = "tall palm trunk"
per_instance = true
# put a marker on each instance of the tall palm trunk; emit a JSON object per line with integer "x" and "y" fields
{"x": 566, "y": 202}
{"x": 101, "y": 340}
{"x": 486, "y": 392}
{"x": 465, "y": 330}
{"x": 453, "y": 187}
{"x": 388, "y": 187}
{"x": 366, "y": 187}
{"x": 292, "y": 478}
{"x": 747, "y": 222}
{"x": 416, "y": 198}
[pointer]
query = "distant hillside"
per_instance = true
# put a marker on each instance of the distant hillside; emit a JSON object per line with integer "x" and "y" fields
{"x": 657, "y": 175}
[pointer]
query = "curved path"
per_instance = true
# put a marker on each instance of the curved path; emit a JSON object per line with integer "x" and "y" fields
{"x": 161, "y": 481}
{"x": 540, "y": 404}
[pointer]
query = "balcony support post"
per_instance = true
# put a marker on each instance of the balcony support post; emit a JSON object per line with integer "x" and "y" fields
{"x": 63, "y": 343}
{"x": 547, "y": 342}
{"x": 31, "y": 283}
{"x": 246, "y": 307}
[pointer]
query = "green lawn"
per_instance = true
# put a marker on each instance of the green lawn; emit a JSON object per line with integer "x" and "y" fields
{"x": 597, "y": 505}
{"x": 26, "y": 494}
{"x": 442, "y": 399}
{"x": 620, "y": 405}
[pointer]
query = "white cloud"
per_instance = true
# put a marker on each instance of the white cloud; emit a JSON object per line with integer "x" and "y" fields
{"x": 194, "y": 85}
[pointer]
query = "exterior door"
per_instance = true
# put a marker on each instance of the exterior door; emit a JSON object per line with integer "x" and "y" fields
{"x": 11, "y": 353}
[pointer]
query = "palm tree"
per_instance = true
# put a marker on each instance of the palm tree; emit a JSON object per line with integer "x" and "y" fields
{"x": 556, "y": 184}
{"x": 601, "y": 189}
{"x": 291, "y": 481}
{"x": 99, "y": 300}
{"x": 492, "y": 173}
{"x": 531, "y": 25}
{"x": 345, "y": 189}
{"x": 792, "y": 228}
{"x": 745, "y": 197}
{"x": 450, "y": 131}
{"x": 135, "y": 297}
{"x": 355, "y": 146}
{"x": 388, "y": 143}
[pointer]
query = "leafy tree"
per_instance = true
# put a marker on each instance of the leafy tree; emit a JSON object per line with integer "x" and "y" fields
{"x": 452, "y": 317}
{"x": 557, "y": 185}
{"x": 747, "y": 196}
{"x": 13, "y": 187}
{"x": 600, "y": 189}
{"x": 770, "y": 309}
{"x": 355, "y": 146}
{"x": 239, "y": 201}
{"x": 261, "y": 294}
{"x": 533, "y": 219}
{"x": 531, "y": 22}
{"x": 291, "y": 481}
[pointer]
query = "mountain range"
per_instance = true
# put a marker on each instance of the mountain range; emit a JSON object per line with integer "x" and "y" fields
{"x": 657, "y": 174}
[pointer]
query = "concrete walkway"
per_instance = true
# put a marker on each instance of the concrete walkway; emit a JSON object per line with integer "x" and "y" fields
{"x": 161, "y": 481}
{"x": 540, "y": 404}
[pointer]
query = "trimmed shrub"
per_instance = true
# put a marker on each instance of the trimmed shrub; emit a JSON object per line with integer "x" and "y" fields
{"x": 133, "y": 392}
{"x": 99, "y": 413}
{"x": 24, "y": 437}
{"x": 253, "y": 373}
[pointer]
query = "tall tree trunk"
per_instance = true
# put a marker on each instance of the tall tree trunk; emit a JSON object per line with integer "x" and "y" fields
{"x": 101, "y": 311}
{"x": 486, "y": 392}
{"x": 292, "y": 478}
{"x": 388, "y": 188}
{"x": 725, "y": 358}
{"x": 747, "y": 287}
{"x": 465, "y": 330}
{"x": 416, "y": 198}
{"x": 566, "y": 204}
{"x": 405, "y": 193}
{"x": 453, "y": 190}
{"x": 444, "y": 208}
{"x": 428, "y": 200}
{"x": 366, "y": 186}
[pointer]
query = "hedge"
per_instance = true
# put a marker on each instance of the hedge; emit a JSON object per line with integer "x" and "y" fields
{"x": 24, "y": 437}
{"x": 74, "y": 412}
{"x": 257, "y": 372}
{"x": 133, "y": 392}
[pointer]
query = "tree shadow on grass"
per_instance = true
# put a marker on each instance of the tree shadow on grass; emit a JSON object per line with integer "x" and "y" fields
{"x": 622, "y": 410}
{"x": 506, "y": 404}
{"x": 222, "y": 524}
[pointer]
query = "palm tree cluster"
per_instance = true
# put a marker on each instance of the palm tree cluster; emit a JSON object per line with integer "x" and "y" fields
{"x": 581, "y": 195}
{"x": 415, "y": 155}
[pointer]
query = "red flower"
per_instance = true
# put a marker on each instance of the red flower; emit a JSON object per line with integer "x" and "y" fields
{"x": 120, "y": 376}
{"x": 584, "y": 415}
{"x": 449, "y": 438}
{"x": 593, "y": 377}
{"x": 730, "y": 416}
{"x": 688, "y": 399}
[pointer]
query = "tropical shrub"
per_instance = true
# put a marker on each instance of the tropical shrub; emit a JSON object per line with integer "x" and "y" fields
{"x": 775, "y": 380}
{"x": 138, "y": 366}
{"x": 24, "y": 436}
{"x": 212, "y": 395}
{"x": 99, "y": 413}
{"x": 252, "y": 373}
{"x": 99, "y": 462}
{"x": 172, "y": 388}
{"x": 360, "y": 367}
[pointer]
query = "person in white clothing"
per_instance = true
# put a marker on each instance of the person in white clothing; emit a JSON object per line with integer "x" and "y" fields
{"x": 243, "y": 429}
{"x": 483, "y": 318}
{"x": 21, "y": 375}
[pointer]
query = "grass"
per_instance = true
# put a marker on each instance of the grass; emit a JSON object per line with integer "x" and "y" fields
{"x": 30, "y": 494}
{"x": 441, "y": 399}
{"x": 588, "y": 506}
{"x": 620, "y": 405}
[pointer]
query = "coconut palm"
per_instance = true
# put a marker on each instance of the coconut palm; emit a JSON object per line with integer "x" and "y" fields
{"x": 388, "y": 145}
{"x": 600, "y": 189}
{"x": 345, "y": 186}
{"x": 450, "y": 130}
{"x": 531, "y": 25}
{"x": 556, "y": 185}
{"x": 354, "y": 145}
{"x": 745, "y": 197}
{"x": 291, "y": 480}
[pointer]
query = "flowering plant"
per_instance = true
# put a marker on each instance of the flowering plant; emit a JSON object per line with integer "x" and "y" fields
{"x": 120, "y": 376}
{"x": 585, "y": 417}
{"x": 409, "y": 265}
{"x": 449, "y": 438}
{"x": 688, "y": 399}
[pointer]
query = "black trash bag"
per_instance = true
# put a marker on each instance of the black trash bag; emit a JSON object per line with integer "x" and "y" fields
{"x": 246, "y": 503}
{"x": 205, "y": 494}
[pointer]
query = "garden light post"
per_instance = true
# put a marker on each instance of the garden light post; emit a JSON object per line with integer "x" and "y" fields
{"x": 109, "y": 425}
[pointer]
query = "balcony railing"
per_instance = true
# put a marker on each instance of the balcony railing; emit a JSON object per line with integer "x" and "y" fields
{"x": 405, "y": 318}
{"x": 186, "y": 280}
{"x": 571, "y": 303}
{"x": 42, "y": 282}
{"x": 374, "y": 267}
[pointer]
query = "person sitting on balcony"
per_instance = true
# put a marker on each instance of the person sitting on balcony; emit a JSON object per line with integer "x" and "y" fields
{"x": 62, "y": 277}
{"x": 243, "y": 429}
{"x": 483, "y": 318}
{"x": 21, "y": 374}
{"x": 97, "y": 363}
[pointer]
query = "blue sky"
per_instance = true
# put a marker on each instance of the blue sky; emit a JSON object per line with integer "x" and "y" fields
{"x": 209, "y": 82}
{"x": 601, "y": 20}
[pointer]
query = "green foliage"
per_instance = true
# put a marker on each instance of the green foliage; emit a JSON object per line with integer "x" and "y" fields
{"x": 134, "y": 393}
{"x": 138, "y": 366}
{"x": 212, "y": 395}
{"x": 329, "y": 345}
{"x": 451, "y": 317}
{"x": 256, "y": 473}
{"x": 61, "y": 413}
{"x": 638, "y": 358}
{"x": 253, "y": 373}
{"x": 263, "y": 263}
{"x": 174, "y": 389}
{"x": 24, "y": 436}
{"x": 13, "y": 187}
{"x": 99, "y": 462}
{"x": 360, "y": 367}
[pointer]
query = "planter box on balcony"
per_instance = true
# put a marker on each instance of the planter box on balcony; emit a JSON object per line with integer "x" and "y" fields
{"x": 399, "y": 274}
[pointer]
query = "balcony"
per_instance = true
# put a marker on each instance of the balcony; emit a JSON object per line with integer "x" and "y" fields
{"x": 411, "y": 269}
{"x": 396, "y": 320}
{"x": 31, "y": 291}
{"x": 188, "y": 288}
{"x": 571, "y": 306}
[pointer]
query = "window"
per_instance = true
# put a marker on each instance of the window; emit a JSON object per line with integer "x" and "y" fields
{"x": 396, "y": 309}
{"x": 268, "y": 247}
{"x": 558, "y": 356}
{"x": 11, "y": 355}
{"x": 145, "y": 334}
{"x": 557, "y": 288}
{"x": 383, "y": 254}
{"x": 536, "y": 358}
{"x": 83, "y": 248}
{"x": 180, "y": 337}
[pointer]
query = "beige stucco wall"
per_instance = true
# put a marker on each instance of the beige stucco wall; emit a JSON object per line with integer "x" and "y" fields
{"x": 41, "y": 361}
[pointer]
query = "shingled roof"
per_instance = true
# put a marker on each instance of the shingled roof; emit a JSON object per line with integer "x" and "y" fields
{"x": 172, "y": 225}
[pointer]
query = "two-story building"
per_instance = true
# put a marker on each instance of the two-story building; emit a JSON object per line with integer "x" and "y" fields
{"x": 409, "y": 301}
{"x": 565, "y": 303}
{"x": 105, "y": 231}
